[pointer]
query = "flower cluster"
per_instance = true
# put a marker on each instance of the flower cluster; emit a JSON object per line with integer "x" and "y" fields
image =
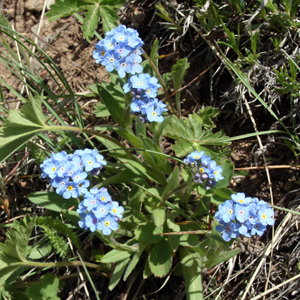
{"x": 68, "y": 173}
{"x": 204, "y": 168}
{"x": 143, "y": 89}
{"x": 120, "y": 50}
{"x": 243, "y": 215}
{"x": 98, "y": 211}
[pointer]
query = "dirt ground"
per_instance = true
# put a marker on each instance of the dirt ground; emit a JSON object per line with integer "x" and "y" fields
{"x": 63, "y": 41}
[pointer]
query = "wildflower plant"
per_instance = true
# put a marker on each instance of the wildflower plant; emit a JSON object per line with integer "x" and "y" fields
{"x": 151, "y": 208}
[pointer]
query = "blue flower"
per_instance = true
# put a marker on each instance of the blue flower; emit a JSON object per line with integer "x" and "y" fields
{"x": 228, "y": 230}
{"x": 251, "y": 215}
{"x": 226, "y": 212}
{"x": 265, "y": 215}
{"x": 116, "y": 210}
{"x": 120, "y": 50}
{"x": 108, "y": 224}
{"x": 241, "y": 198}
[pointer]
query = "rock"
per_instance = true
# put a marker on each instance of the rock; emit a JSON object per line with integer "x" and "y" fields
{"x": 37, "y": 5}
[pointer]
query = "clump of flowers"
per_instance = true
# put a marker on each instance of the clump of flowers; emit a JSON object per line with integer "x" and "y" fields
{"x": 120, "y": 50}
{"x": 243, "y": 215}
{"x": 205, "y": 170}
{"x": 143, "y": 89}
{"x": 68, "y": 173}
{"x": 98, "y": 211}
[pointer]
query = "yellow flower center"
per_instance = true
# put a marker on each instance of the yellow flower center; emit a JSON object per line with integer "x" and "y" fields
{"x": 53, "y": 169}
{"x": 70, "y": 188}
{"x": 114, "y": 210}
{"x": 103, "y": 199}
{"x": 264, "y": 216}
{"x": 106, "y": 223}
{"x": 201, "y": 170}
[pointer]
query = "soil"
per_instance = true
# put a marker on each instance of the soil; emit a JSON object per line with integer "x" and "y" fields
{"x": 63, "y": 42}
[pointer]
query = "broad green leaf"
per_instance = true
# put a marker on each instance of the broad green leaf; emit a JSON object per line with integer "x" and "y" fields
{"x": 159, "y": 216}
{"x": 148, "y": 233}
{"x": 117, "y": 273}
{"x": 192, "y": 278}
{"x": 109, "y": 18}
{"x": 64, "y": 8}
{"x": 51, "y": 201}
{"x": 221, "y": 195}
{"x": 48, "y": 290}
{"x": 115, "y": 255}
{"x": 160, "y": 258}
{"x": 91, "y": 21}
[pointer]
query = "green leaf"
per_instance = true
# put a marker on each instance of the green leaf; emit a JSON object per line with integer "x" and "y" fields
{"x": 21, "y": 126}
{"x": 117, "y": 273}
{"x": 51, "y": 201}
{"x": 160, "y": 258}
{"x": 15, "y": 248}
{"x": 91, "y": 21}
{"x": 109, "y": 18}
{"x": 159, "y": 216}
{"x": 108, "y": 93}
{"x": 148, "y": 233}
{"x": 134, "y": 260}
{"x": 40, "y": 250}
{"x": 178, "y": 73}
{"x": 48, "y": 290}
{"x": 193, "y": 278}
{"x": 221, "y": 195}
{"x": 64, "y": 8}
{"x": 221, "y": 257}
{"x": 115, "y": 255}
{"x": 173, "y": 181}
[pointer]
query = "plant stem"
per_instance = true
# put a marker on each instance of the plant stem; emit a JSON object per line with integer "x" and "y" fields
{"x": 160, "y": 79}
{"x": 59, "y": 264}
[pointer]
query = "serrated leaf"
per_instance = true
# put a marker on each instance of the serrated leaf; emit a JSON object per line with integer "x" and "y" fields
{"x": 46, "y": 291}
{"x": 91, "y": 21}
{"x": 64, "y": 8}
{"x": 160, "y": 258}
{"x": 109, "y": 18}
{"x": 21, "y": 126}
